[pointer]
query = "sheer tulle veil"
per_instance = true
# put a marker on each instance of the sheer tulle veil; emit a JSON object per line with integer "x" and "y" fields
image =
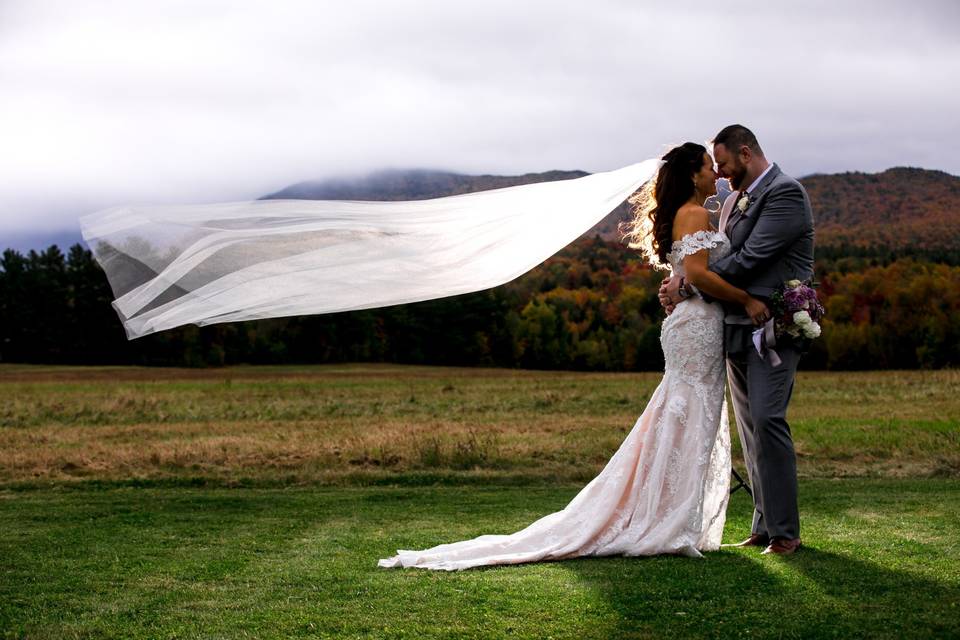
{"x": 203, "y": 264}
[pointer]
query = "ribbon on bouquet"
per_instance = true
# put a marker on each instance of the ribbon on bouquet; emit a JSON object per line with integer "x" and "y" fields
{"x": 765, "y": 339}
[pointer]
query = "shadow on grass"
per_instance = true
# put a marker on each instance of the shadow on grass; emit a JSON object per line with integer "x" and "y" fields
{"x": 740, "y": 593}
{"x": 888, "y": 601}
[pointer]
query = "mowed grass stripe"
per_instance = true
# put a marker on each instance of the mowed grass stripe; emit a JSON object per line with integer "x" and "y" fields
{"x": 881, "y": 561}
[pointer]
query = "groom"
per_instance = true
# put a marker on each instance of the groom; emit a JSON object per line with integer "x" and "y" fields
{"x": 770, "y": 226}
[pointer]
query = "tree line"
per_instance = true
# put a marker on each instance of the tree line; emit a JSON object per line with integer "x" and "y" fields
{"x": 593, "y": 306}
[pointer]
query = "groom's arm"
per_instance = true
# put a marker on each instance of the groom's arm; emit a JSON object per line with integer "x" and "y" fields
{"x": 782, "y": 220}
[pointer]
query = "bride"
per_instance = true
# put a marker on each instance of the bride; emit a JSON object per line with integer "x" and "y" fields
{"x": 665, "y": 490}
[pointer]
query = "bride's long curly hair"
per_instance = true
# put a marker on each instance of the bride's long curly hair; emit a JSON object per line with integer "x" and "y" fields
{"x": 656, "y": 204}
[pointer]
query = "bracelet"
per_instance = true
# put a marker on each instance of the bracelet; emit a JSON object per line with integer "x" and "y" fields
{"x": 683, "y": 288}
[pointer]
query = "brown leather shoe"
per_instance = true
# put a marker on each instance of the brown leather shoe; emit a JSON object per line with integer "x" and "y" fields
{"x": 755, "y": 540}
{"x": 783, "y": 546}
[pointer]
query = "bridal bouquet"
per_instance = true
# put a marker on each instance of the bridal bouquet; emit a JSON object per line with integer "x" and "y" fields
{"x": 796, "y": 310}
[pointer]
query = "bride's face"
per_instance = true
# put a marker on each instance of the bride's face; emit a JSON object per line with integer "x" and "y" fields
{"x": 706, "y": 178}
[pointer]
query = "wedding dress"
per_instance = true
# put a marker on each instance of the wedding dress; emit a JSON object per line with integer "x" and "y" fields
{"x": 665, "y": 489}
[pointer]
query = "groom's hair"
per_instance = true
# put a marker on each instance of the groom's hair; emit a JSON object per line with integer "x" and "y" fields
{"x": 735, "y": 136}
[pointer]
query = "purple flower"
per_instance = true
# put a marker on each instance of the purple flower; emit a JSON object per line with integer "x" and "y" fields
{"x": 793, "y": 298}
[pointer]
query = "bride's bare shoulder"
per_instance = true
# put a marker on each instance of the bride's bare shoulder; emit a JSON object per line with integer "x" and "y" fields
{"x": 692, "y": 212}
{"x": 690, "y": 218}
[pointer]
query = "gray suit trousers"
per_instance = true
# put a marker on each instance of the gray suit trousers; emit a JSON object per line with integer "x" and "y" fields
{"x": 760, "y": 395}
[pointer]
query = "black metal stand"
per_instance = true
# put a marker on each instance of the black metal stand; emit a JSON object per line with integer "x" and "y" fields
{"x": 740, "y": 483}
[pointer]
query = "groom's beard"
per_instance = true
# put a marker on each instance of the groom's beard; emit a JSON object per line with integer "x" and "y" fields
{"x": 736, "y": 178}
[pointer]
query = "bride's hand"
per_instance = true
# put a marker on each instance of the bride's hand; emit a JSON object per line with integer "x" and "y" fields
{"x": 757, "y": 311}
{"x": 664, "y": 296}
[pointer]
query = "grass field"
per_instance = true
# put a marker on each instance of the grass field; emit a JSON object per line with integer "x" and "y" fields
{"x": 255, "y": 502}
{"x": 380, "y": 423}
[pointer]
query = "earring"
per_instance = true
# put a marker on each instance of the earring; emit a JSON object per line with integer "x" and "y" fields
{"x": 715, "y": 205}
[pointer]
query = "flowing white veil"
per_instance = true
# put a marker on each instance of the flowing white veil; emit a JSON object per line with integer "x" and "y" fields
{"x": 203, "y": 264}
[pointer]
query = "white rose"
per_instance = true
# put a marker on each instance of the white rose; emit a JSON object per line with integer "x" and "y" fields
{"x": 743, "y": 203}
{"x": 793, "y": 283}
{"x": 802, "y": 318}
{"x": 812, "y": 330}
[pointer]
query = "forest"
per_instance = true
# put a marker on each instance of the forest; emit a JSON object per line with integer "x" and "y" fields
{"x": 593, "y": 306}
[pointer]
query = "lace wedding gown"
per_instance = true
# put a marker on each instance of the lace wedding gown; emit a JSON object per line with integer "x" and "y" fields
{"x": 665, "y": 490}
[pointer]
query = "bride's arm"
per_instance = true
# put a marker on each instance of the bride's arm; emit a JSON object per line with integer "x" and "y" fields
{"x": 693, "y": 219}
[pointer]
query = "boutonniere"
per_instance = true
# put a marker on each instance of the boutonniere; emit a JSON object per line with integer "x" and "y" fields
{"x": 743, "y": 202}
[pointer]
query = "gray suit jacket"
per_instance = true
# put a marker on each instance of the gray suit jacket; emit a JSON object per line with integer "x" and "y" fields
{"x": 771, "y": 242}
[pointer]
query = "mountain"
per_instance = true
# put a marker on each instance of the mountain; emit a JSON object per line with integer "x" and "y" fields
{"x": 421, "y": 184}
{"x": 417, "y": 184}
{"x": 38, "y": 241}
{"x": 900, "y": 211}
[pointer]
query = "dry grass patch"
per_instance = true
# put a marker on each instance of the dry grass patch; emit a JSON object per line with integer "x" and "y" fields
{"x": 308, "y": 449}
{"x": 336, "y": 423}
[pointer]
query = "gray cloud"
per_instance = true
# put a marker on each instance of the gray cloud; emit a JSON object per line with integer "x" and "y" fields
{"x": 104, "y": 103}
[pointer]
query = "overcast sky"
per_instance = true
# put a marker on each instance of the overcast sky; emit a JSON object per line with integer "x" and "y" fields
{"x": 163, "y": 101}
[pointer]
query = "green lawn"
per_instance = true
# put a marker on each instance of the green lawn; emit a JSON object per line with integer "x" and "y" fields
{"x": 881, "y": 560}
{"x": 255, "y": 502}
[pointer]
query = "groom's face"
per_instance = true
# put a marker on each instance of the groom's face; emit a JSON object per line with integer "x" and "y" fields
{"x": 729, "y": 166}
